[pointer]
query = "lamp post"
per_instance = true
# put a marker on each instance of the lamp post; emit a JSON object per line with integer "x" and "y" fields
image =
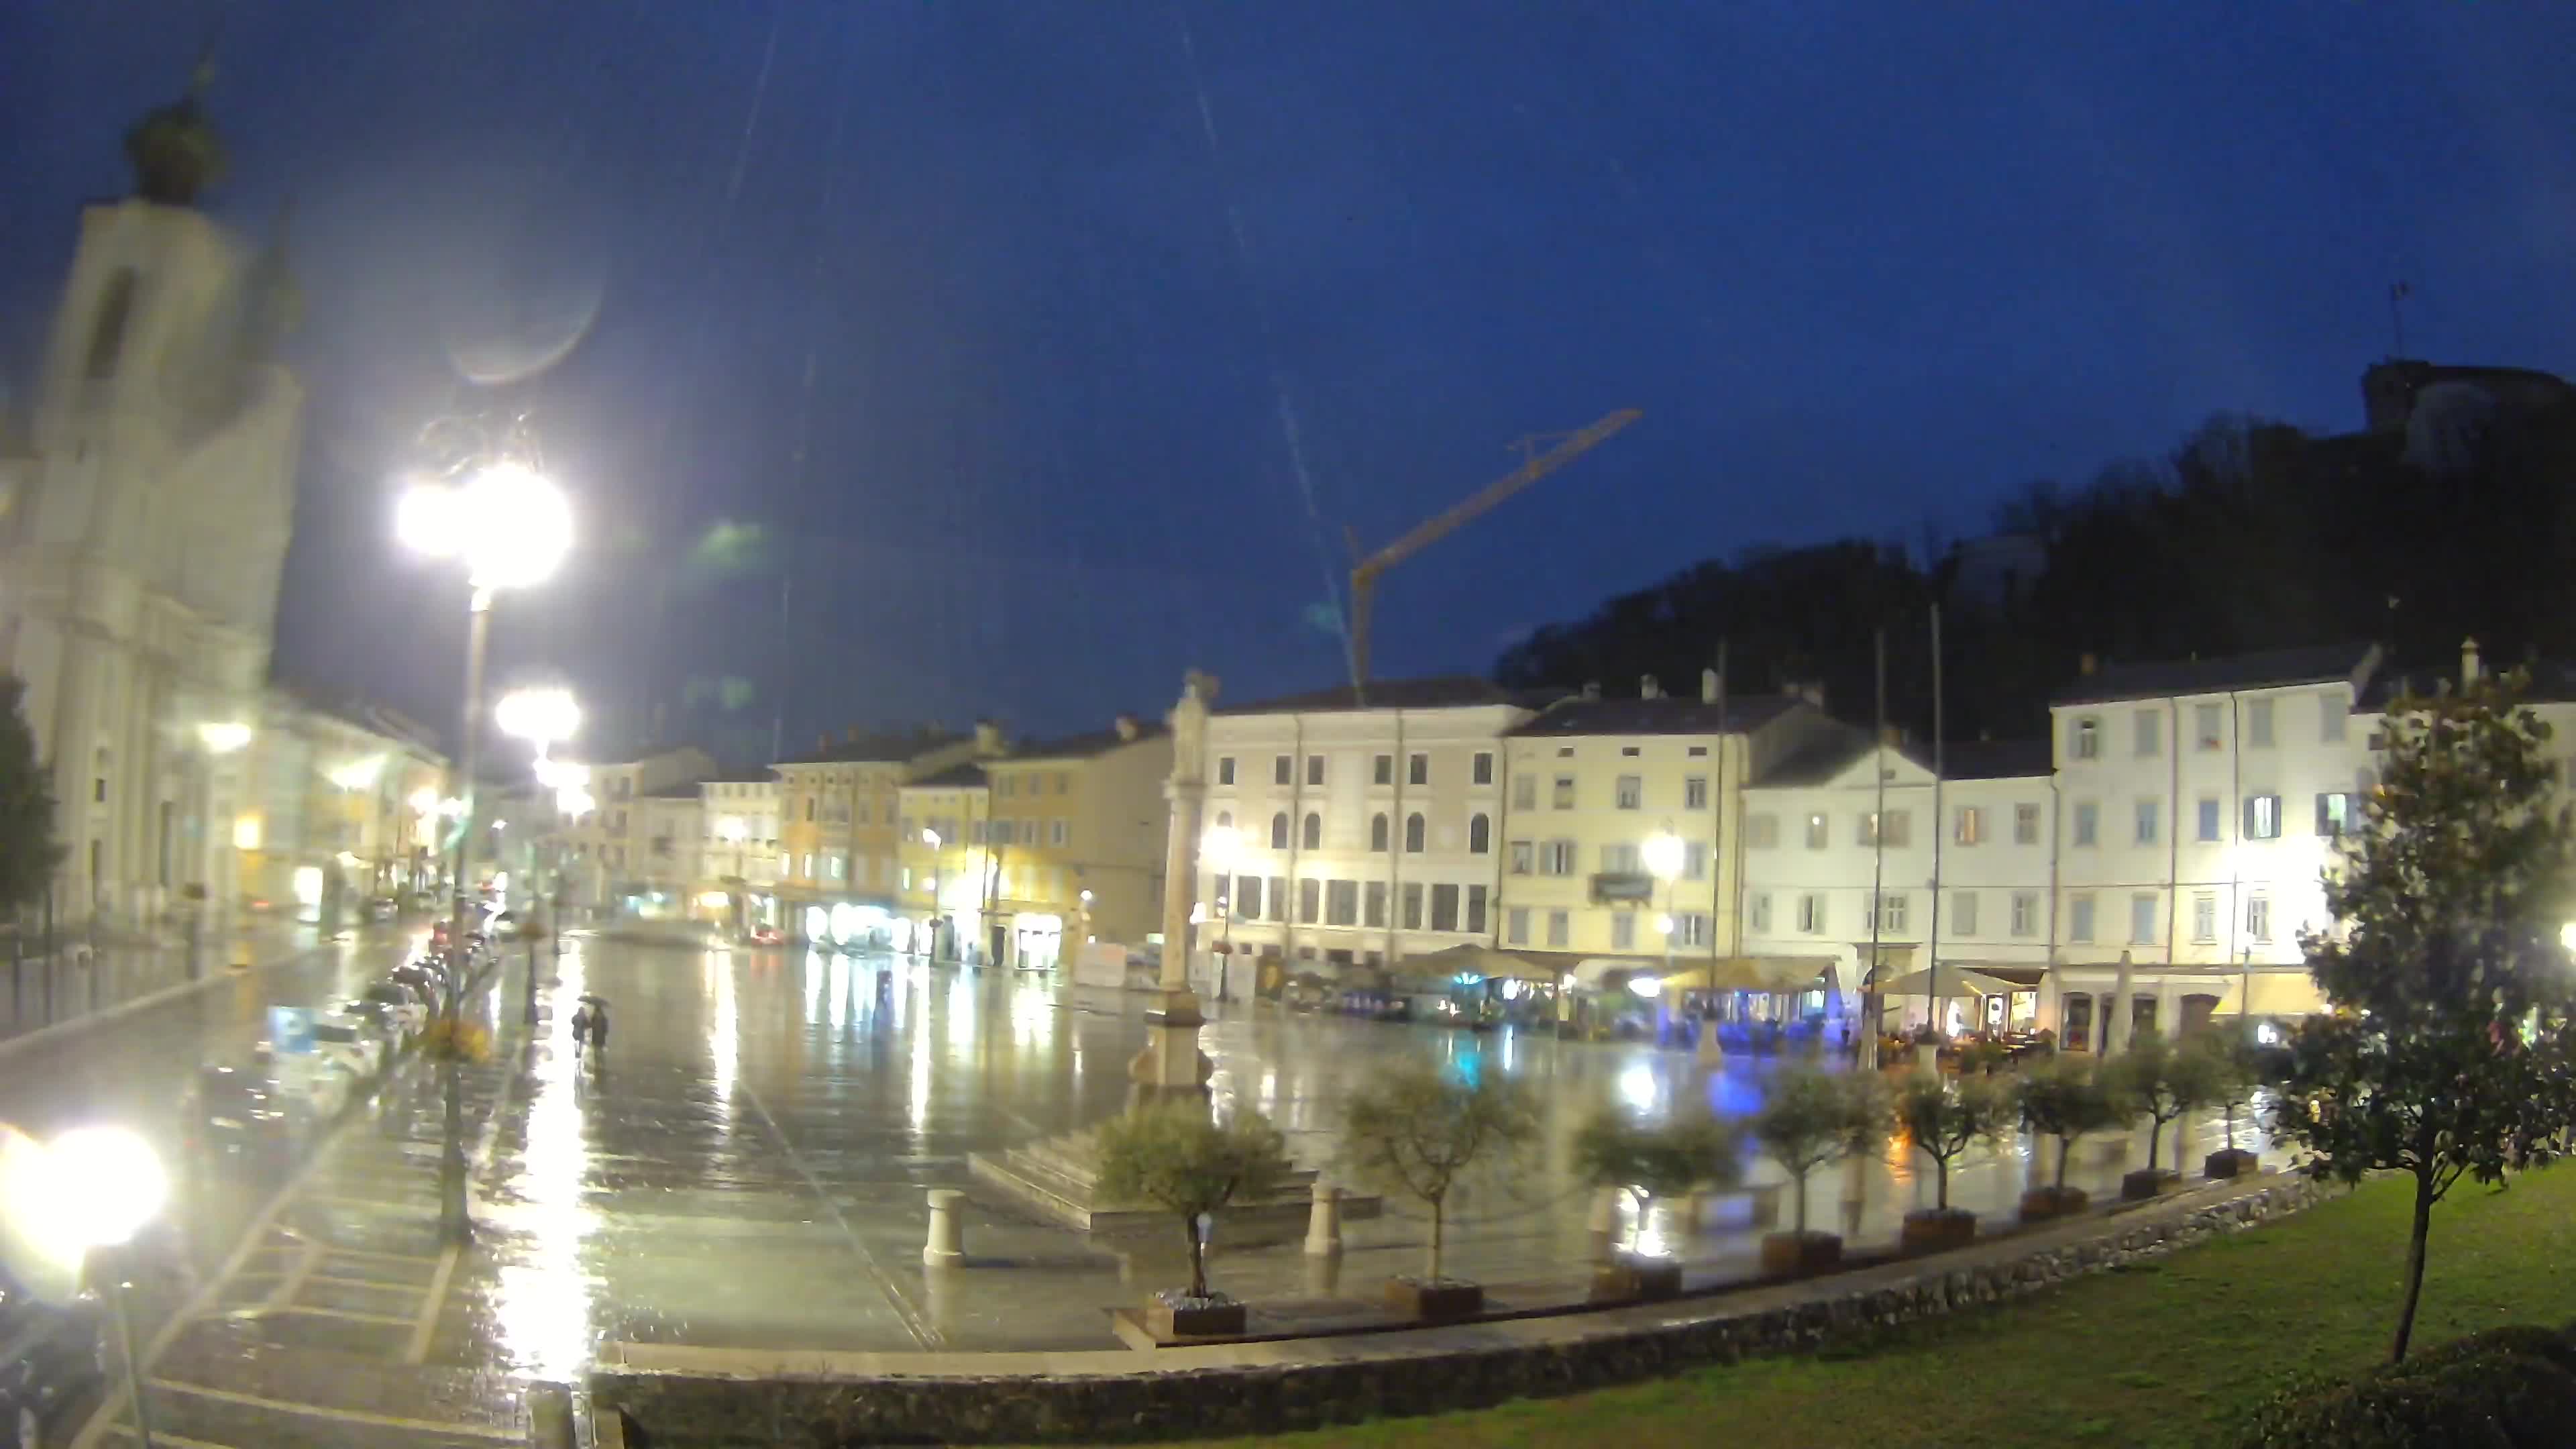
{"x": 511, "y": 528}
{"x": 108, "y": 1184}
{"x": 1221, "y": 846}
{"x": 1663, "y": 856}
{"x": 541, "y": 717}
{"x": 930, "y": 838}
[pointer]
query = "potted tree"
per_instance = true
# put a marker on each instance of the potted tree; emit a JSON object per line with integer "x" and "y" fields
{"x": 2066, "y": 1098}
{"x": 1179, "y": 1158}
{"x": 1812, "y": 1118}
{"x": 2164, "y": 1082}
{"x": 1944, "y": 1117}
{"x": 2232, "y": 1078}
{"x": 1411, "y": 1127}
{"x": 1650, "y": 1162}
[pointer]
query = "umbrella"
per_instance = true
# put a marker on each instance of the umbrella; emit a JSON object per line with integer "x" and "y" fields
{"x": 594, "y": 1001}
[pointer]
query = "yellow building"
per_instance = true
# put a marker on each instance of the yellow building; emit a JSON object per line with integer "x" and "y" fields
{"x": 944, "y": 872}
{"x": 839, "y": 861}
{"x": 1077, "y": 835}
{"x": 330, "y": 813}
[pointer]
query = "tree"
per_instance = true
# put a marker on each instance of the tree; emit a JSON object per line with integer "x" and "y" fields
{"x": 2066, "y": 1098}
{"x": 28, "y": 850}
{"x": 1946, "y": 1117}
{"x": 1414, "y": 1128}
{"x": 2163, "y": 1082}
{"x": 1178, "y": 1158}
{"x": 2229, "y": 1073}
{"x": 1665, "y": 1160}
{"x": 2450, "y": 1052}
{"x": 1813, "y": 1117}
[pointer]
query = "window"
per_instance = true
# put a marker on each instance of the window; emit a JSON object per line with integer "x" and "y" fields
{"x": 1556, "y": 857}
{"x": 1969, "y": 827}
{"x": 1560, "y": 926}
{"x": 1697, "y": 752}
{"x": 1563, "y": 796}
{"x": 1413, "y": 905}
{"x": 1695, "y": 860}
{"x": 2147, "y": 821}
{"x": 1382, "y": 770}
{"x": 1279, "y": 898}
{"x": 2204, "y": 726}
{"x": 1630, "y": 751}
{"x": 2086, "y": 743}
{"x": 2258, "y": 918}
{"x": 1762, "y": 832}
{"x": 2331, "y": 718}
{"x": 2088, "y": 822}
{"x": 1311, "y": 837}
{"x": 1690, "y": 928}
{"x": 1341, "y": 903}
{"x": 1279, "y": 831}
{"x": 1059, "y": 832}
{"x": 2262, "y": 817}
{"x": 2336, "y": 814}
{"x": 1310, "y": 901}
{"x": 1373, "y": 909}
{"x": 1010, "y": 785}
{"x": 1811, "y": 914}
{"x": 2025, "y": 913}
{"x": 1523, "y": 856}
{"x": 1482, "y": 771}
{"x": 2150, "y": 734}
{"x": 1619, "y": 859}
{"x": 1413, "y": 833}
{"x": 1480, "y": 834}
{"x": 2025, "y": 825}
{"x": 1475, "y": 910}
{"x": 2258, "y": 723}
{"x": 1695, "y": 792}
{"x": 1247, "y": 898}
{"x": 2208, "y": 833}
{"x": 1379, "y": 835}
{"x": 809, "y": 807}
{"x": 2204, "y": 917}
{"x": 1623, "y": 930}
{"x": 1963, "y": 913}
{"x": 1891, "y": 910}
{"x": 1314, "y": 769}
{"x": 2079, "y": 917}
{"x": 1516, "y": 926}
{"x": 1525, "y": 792}
{"x": 806, "y": 871}
{"x": 1816, "y": 831}
{"x": 1758, "y": 911}
{"x": 1896, "y": 828}
{"x": 1417, "y": 770}
{"x": 1279, "y": 768}
{"x": 832, "y": 864}
{"x": 2142, "y": 920}
{"x": 1632, "y": 792}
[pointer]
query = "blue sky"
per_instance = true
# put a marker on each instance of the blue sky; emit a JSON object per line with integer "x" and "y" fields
{"x": 1051, "y": 346}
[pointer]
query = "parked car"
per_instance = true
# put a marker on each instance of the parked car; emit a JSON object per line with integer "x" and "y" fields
{"x": 401, "y": 1004}
{"x": 767, "y": 936}
{"x": 383, "y": 908}
{"x": 347, "y": 1042}
{"x": 53, "y": 1360}
{"x": 233, "y": 1114}
{"x": 312, "y": 1087}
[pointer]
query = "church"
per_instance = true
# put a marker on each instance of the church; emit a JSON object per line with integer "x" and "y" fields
{"x": 146, "y": 499}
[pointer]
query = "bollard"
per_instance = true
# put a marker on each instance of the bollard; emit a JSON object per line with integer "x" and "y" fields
{"x": 1324, "y": 1221}
{"x": 1712, "y": 1052}
{"x": 947, "y": 1245}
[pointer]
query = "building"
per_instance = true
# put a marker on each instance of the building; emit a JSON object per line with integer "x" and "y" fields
{"x": 673, "y": 854}
{"x": 739, "y": 847}
{"x": 1078, "y": 828}
{"x": 634, "y": 853}
{"x": 838, "y": 811}
{"x": 1856, "y": 854}
{"x": 331, "y": 810}
{"x": 1360, "y": 834}
{"x": 148, "y": 509}
{"x": 945, "y": 870}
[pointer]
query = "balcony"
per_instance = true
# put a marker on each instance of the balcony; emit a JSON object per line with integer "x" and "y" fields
{"x": 1622, "y": 885}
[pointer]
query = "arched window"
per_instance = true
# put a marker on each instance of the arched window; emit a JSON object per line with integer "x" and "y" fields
{"x": 1378, "y": 834}
{"x": 1225, "y": 820}
{"x": 1313, "y": 837}
{"x": 1279, "y": 831}
{"x": 1480, "y": 835}
{"x": 1413, "y": 833}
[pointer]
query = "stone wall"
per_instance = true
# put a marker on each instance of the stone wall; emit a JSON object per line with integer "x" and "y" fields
{"x": 1197, "y": 1393}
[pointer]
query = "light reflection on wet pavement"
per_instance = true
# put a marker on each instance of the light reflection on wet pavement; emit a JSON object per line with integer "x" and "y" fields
{"x": 747, "y": 1166}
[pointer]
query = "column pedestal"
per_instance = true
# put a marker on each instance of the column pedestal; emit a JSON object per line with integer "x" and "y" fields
{"x": 1171, "y": 1065}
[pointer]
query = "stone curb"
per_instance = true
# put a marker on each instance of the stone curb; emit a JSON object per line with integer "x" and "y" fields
{"x": 66, "y": 1030}
{"x": 716, "y": 1399}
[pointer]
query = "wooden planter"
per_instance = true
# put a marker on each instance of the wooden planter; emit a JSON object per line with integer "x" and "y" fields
{"x": 2146, "y": 1183}
{"x": 2043, "y": 1203}
{"x": 1445, "y": 1301}
{"x": 1211, "y": 1320}
{"x": 1794, "y": 1255}
{"x": 2231, "y": 1162}
{"x": 1936, "y": 1230}
{"x": 1636, "y": 1280}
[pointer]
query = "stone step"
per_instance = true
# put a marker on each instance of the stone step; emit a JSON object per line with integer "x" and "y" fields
{"x": 1040, "y": 1179}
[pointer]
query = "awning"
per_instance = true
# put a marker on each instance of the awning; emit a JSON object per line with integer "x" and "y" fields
{"x": 1956, "y": 981}
{"x": 1481, "y": 961}
{"x": 1779, "y": 974}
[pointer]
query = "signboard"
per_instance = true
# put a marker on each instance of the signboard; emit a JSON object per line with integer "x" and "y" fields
{"x": 290, "y": 1030}
{"x": 1623, "y": 885}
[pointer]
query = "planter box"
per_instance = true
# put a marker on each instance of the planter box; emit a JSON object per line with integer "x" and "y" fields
{"x": 1791, "y": 1255}
{"x": 1636, "y": 1280}
{"x": 2146, "y": 1183}
{"x": 2231, "y": 1162}
{"x": 1210, "y": 1321}
{"x": 1934, "y": 1230}
{"x": 1446, "y": 1301}
{"x": 2043, "y": 1203}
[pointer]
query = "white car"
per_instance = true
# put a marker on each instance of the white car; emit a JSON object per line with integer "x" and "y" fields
{"x": 405, "y": 1010}
{"x": 315, "y": 1084}
{"x": 350, "y": 1044}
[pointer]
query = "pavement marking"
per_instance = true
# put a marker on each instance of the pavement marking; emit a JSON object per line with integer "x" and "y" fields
{"x": 922, "y": 1330}
{"x": 298, "y": 1310}
{"x": 346, "y": 1416}
{"x": 164, "y": 1436}
{"x": 293, "y": 1283}
{"x": 373, "y": 1283}
{"x": 384, "y": 1257}
{"x": 427, "y": 1324}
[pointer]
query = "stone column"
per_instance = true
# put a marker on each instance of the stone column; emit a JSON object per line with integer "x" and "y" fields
{"x": 1171, "y": 1063}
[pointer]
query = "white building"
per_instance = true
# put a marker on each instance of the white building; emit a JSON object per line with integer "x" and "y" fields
{"x": 617, "y": 856}
{"x": 738, "y": 847}
{"x": 147, "y": 517}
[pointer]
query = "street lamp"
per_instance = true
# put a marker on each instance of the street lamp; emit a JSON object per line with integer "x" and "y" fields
{"x": 510, "y": 527}
{"x": 1221, "y": 846}
{"x": 108, "y": 1183}
{"x": 1663, "y": 854}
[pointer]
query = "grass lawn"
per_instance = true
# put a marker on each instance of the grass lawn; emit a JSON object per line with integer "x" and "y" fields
{"x": 2168, "y": 1353}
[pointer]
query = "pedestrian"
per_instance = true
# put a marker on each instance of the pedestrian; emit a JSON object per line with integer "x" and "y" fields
{"x": 599, "y": 1029}
{"x": 581, "y": 1028}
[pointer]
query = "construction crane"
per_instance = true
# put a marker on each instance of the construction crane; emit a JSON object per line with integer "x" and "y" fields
{"x": 1534, "y": 466}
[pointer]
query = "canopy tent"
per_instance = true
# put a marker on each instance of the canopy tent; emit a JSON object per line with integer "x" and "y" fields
{"x": 1956, "y": 982}
{"x": 1777, "y": 975}
{"x": 1483, "y": 962}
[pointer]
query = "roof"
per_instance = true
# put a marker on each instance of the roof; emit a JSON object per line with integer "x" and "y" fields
{"x": 1452, "y": 691}
{"x": 882, "y": 747}
{"x": 2264, "y": 669}
{"x": 741, "y": 775}
{"x": 1818, "y": 760}
{"x": 1665, "y": 715}
{"x": 955, "y": 777}
{"x": 686, "y": 790}
{"x": 2553, "y": 681}
{"x": 1088, "y": 743}
{"x": 1830, "y": 755}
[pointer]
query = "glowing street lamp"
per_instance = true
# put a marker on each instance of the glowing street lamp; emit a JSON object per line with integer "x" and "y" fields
{"x": 1221, "y": 847}
{"x": 223, "y": 737}
{"x": 539, "y": 716}
{"x": 108, "y": 1183}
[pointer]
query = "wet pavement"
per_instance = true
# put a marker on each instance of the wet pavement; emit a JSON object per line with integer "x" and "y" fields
{"x": 747, "y": 1168}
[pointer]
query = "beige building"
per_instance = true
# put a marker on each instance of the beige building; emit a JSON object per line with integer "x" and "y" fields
{"x": 1077, "y": 834}
{"x": 331, "y": 805}
{"x": 624, "y": 851}
{"x": 945, "y": 871}
{"x": 838, "y": 808}
{"x": 738, "y": 849}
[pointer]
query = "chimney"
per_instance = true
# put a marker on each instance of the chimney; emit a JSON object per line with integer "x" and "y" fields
{"x": 1649, "y": 688}
{"x": 1891, "y": 735}
{"x": 1592, "y": 689}
{"x": 2468, "y": 662}
{"x": 2088, "y": 664}
{"x": 1126, "y": 726}
{"x": 1708, "y": 686}
{"x": 988, "y": 737}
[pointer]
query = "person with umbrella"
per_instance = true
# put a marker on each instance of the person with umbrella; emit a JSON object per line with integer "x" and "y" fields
{"x": 590, "y": 1024}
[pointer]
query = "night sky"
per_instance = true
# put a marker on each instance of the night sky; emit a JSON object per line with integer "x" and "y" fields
{"x": 1047, "y": 348}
